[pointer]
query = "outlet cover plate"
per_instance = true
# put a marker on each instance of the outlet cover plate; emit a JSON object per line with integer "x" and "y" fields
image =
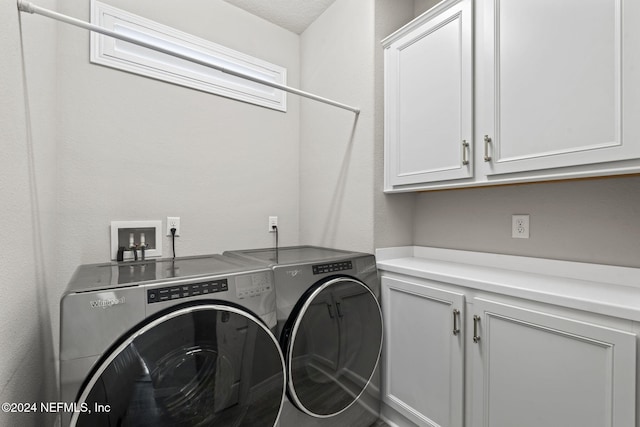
{"x": 520, "y": 226}
{"x": 273, "y": 221}
{"x": 173, "y": 222}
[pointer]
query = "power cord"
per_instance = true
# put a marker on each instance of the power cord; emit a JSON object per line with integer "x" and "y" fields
{"x": 173, "y": 241}
{"x": 275, "y": 228}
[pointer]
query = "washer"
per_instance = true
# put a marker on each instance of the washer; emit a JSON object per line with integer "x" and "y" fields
{"x": 171, "y": 342}
{"x": 330, "y": 332}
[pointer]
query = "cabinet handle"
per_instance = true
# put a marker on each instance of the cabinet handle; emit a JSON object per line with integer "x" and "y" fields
{"x": 476, "y": 320}
{"x": 465, "y": 152}
{"x": 330, "y": 311}
{"x": 487, "y": 141}
{"x": 456, "y": 315}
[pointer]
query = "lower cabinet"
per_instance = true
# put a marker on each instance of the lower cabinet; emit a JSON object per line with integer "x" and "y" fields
{"x": 423, "y": 375}
{"x": 534, "y": 369}
{"x": 526, "y": 367}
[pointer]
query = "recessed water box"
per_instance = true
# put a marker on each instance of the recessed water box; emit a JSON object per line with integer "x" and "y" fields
{"x": 134, "y": 236}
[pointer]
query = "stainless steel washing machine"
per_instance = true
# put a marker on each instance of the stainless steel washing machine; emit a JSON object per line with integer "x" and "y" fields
{"x": 330, "y": 331}
{"x": 171, "y": 342}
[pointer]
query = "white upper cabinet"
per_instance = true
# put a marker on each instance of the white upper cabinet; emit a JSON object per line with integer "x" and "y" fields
{"x": 556, "y": 92}
{"x": 554, "y": 84}
{"x": 428, "y": 97}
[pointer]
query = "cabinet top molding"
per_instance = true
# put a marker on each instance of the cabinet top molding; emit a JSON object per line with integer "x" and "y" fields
{"x": 596, "y": 288}
{"x": 418, "y": 21}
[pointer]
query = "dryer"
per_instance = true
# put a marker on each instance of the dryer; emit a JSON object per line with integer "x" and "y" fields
{"x": 171, "y": 342}
{"x": 330, "y": 331}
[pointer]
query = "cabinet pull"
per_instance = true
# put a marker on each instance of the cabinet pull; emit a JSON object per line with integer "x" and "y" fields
{"x": 456, "y": 315}
{"x": 476, "y": 320}
{"x": 330, "y": 311}
{"x": 465, "y": 152}
{"x": 487, "y": 141}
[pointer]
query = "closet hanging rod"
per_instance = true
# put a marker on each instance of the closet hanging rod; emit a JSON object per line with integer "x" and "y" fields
{"x": 26, "y": 6}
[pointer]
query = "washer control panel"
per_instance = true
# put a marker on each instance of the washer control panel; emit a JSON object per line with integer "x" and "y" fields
{"x": 332, "y": 267}
{"x": 183, "y": 291}
{"x": 253, "y": 285}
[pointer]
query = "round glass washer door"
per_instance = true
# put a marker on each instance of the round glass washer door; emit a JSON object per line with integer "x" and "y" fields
{"x": 199, "y": 364}
{"x": 332, "y": 342}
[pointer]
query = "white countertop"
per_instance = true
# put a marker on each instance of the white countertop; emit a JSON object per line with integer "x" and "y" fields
{"x": 603, "y": 289}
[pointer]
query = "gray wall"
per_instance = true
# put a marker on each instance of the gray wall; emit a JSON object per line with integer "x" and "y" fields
{"x": 341, "y": 158}
{"x": 336, "y": 149}
{"x": 586, "y": 221}
{"x": 134, "y": 148}
{"x": 27, "y": 368}
{"x": 394, "y": 213}
{"x": 421, "y": 6}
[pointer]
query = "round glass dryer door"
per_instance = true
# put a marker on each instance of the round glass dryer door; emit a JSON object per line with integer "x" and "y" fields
{"x": 332, "y": 343}
{"x": 199, "y": 365}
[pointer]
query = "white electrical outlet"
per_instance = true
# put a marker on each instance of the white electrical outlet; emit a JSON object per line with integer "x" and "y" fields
{"x": 173, "y": 222}
{"x": 273, "y": 222}
{"x": 520, "y": 226}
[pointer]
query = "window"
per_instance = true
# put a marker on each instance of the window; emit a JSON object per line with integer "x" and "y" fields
{"x": 126, "y": 56}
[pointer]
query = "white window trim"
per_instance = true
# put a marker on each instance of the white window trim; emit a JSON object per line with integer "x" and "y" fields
{"x": 146, "y": 62}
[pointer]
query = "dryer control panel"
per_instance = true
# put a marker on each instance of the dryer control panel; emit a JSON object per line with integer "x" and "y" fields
{"x": 183, "y": 291}
{"x": 332, "y": 267}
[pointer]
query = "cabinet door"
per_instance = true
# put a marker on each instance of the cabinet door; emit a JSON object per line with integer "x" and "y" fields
{"x": 428, "y": 98}
{"x": 423, "y": 357}
{"x": 533, "y": 369}
{"x": 552, "y": 84}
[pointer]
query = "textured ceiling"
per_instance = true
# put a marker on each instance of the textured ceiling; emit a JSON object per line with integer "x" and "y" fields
{"x": 294, "y": 15}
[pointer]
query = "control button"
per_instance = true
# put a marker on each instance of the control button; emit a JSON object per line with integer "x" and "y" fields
{"x": 152, "y": 296}
{"x": 332, "y": 268}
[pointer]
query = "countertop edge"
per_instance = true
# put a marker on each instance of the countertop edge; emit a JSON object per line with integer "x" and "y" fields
{"x": 610, "y": 298}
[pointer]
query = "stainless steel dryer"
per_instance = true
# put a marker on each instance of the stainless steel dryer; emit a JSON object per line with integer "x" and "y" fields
{"x": 169, "y": 342}
{"x": 330, "y": 331}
